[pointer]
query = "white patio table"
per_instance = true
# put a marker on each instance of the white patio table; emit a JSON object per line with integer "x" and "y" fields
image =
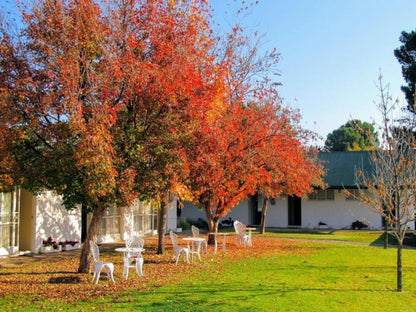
{"x": 139, "y": 260}
{"x": 224, "y": 240}
{"x": 194, "y": 246}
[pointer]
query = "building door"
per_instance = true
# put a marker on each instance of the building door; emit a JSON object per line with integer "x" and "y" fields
{"x": 294, "y": 211}
{"x": 255, "y": 210}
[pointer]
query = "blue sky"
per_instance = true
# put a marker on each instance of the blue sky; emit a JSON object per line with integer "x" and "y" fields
{"x": 332, "y": 52}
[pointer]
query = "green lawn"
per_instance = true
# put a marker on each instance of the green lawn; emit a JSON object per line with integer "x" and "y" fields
{"x": 309, "y": 277}
{"x": 274, "y": 275}
{"x": 370, "y": 237}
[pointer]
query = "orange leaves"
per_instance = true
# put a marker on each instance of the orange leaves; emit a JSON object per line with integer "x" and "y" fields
{"x": 52, "y": 278}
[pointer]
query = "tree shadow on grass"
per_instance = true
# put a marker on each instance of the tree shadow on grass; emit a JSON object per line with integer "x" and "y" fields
{"x": 232, "y": 294}
{"x": 409, "y": 240}
{"x": 37, "y": 273}
{"x": 65, "y": 280}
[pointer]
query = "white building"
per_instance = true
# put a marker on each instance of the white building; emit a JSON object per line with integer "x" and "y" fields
{"x": 329, "y": 206}
{"x": 27, "y": 219}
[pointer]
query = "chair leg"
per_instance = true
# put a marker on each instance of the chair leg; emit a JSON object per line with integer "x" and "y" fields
{"x": 98, "y": 276}
{"x": 177, "y": 258}
{"x": 139, "y": 266}
{"x": 125, "y": 267}
{"x": 187, "y": 255}
{"x": 110, "y": 270}
{"x": 216, "y": 244}
{"x": 199, "y": 251}
{"x": 249, "y": 241}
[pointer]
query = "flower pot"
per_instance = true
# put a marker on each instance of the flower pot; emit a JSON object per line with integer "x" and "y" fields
{"x": 70, "y": 247}
{"x": 49, "y": 249}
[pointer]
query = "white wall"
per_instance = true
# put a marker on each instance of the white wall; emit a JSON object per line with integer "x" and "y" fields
{"x": 52, "y": 219}
{"x": 240, "y": 212}
{"x": 337, "y": 214}
{"x": 277, "y": 214}
{"x": 127, "y": 222}
{"x": 172, "y": 218}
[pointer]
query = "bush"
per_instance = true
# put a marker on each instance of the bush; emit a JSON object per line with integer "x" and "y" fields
{"x": 200, "y": 223}
{"x": 184, "y": 223}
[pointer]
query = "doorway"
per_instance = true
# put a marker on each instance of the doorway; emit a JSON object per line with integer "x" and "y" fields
{"x": 294, "y": 211}
{"x": 255, "y": 210}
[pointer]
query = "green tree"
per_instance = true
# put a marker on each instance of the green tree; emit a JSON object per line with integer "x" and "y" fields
{"x": 355, "y": 135}
{"x": 406, "y": 55}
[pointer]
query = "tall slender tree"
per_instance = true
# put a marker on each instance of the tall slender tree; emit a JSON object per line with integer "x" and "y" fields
{"x": 390, "y": 188}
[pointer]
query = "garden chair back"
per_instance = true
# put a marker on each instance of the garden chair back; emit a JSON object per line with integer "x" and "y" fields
{"x": 99, "y": 265}
{"x": 195, "y": 233}
{"x": 133, "y": 244}
{"x": 177, "y": 250}
{"x": 242, "y": 237}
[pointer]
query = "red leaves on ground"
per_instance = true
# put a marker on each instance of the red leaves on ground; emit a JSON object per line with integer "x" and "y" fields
{"x": 52, "y": 277}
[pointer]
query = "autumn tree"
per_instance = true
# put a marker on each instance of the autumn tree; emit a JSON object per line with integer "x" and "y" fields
{"x": 96, "y": 99}
{"x": 55, "y": 119}
{"x": 164, "y": 86}
{"x": 247, "y": 135}
{"x": 288, "y": 165}
{"x": 355, "y": 135}
{"x": 390, "y": 188}
{"x": 219, "y": 162}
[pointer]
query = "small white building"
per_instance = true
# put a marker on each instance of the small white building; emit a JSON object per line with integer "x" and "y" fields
{"x": 27, "y": 219}
{"x": 330, "y": 207}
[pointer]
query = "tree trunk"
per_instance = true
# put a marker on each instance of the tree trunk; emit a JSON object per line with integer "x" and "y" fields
{"x": 263, "y": 215}
{"x": 212, "y": 223}
{"x": 386, "y": 234}
{"x": 161, "y": 226}
{"x": 399, "y": 266}
{"x": 97, "y": 217}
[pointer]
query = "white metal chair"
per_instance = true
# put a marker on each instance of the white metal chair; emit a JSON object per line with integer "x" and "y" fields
{"x": 133, "y": 245}
{"x": 99, "y": 265}
{"x": 195, "y": 233}
{"x": 242, "y": 237}
{"x": 177, "y": 250}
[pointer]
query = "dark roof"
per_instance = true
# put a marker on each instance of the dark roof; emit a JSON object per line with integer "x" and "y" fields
{"x": 341, "y": 167}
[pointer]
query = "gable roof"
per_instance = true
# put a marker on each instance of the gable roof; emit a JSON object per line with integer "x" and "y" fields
{"x": 341, "y": 167}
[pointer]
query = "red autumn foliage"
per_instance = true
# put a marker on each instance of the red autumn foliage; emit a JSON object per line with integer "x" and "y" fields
{"x": 98, "y": 97}
{"x": 108, "y": 103}
{"x": 249, "y": 142}
{"x": 50, "y": 277}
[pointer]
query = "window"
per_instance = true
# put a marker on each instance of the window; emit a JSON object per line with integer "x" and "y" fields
{"x": 353, "y": 194}
{"x": 145, "y": 218}
{"x": 322, "y": 195}
{"x": 111, "y": 222}
{"x": 9, "y": 220}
